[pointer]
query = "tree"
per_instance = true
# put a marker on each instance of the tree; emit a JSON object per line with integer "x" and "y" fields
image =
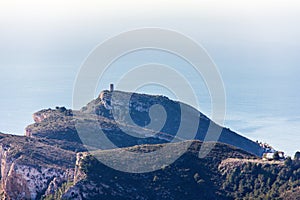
{"x": 297, "y": 156}
{"x": 288, "y": 161}
{"x": 276, "y": 156}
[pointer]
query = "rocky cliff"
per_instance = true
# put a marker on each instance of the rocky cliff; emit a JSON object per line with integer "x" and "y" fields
{"x": 31, "y": 168}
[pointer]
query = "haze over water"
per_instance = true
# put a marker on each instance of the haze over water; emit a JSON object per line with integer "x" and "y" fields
{"x": 255, "y": 45}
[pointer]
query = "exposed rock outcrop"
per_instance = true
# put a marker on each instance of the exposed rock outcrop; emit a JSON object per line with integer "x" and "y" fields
{"x": 31, "y": 168}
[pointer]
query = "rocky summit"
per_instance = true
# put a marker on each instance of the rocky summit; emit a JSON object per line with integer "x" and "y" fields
{"x": 52, "y": 160}
{"x": 60, "y": 123}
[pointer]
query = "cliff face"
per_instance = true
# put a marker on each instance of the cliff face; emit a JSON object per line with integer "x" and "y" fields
{"x": 31, "y": 168}
{"x": 49, "y": 113}
{"x": 62, "y": 118}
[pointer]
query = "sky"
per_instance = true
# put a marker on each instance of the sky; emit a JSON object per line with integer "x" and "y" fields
{"x": 35, "y": 30}
{"x": 255, "y": 45}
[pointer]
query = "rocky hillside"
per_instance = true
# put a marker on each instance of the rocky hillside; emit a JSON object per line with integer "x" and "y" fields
{"x": 37, "y": 168}
{"x": 188, "y": 178}
{"x": 60, "y": 123}
{"x": 226, "y": 173}
{"x": 31, "y": 168}
{"x": 50, "y": 161}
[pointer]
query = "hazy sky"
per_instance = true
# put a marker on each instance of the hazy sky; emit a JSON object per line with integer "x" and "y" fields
{"x": 65, "y": 31}
{"x": 254, "y": 44}
{"x": 247, "y": 39}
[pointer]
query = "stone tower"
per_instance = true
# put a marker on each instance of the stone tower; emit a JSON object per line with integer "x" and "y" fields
{"x": 111, "y": 87}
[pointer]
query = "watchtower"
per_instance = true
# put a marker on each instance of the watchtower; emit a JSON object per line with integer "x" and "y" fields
{"x": 111, "y": 87}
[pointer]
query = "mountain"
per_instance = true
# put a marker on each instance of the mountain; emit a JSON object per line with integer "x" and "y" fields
{"x": 51, "y": 161}
{"x": 112, "y": 116}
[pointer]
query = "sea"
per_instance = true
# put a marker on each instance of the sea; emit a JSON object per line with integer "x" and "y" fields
{"x": 259, "y": 105}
